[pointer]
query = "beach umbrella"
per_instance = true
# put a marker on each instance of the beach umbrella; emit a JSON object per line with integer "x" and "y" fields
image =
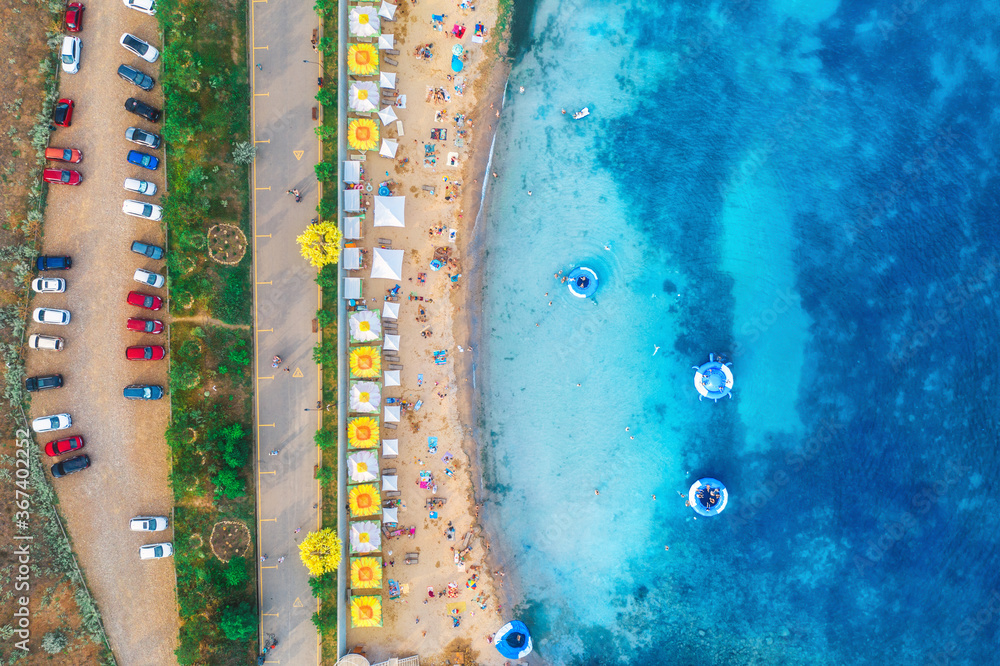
{"x": 365, "y": 397}
{"x": 387, "y": 264}
{"x": 389, "y": 516}
{"x": 362, "y": 466}
{"x": 363, "y": 21}
{"x": 392, "y": 413}
{"x": 391, "y": 378}
{"x": 457, "y": 50}
{"x": 365, "y": 326}
{"x": 390, "y": 482}
{"x": 362, "y": 133}
{"x": 362, "y": 96}
{"x": 390, "y": 211}
{"x": 387, "y": 79}
{"x": 387, "y": 41}
{"x": 365, "y": 362}
{"x": 364, "y": 500}
{"x": 362, "y": 59}
{"x": 390, "y": 447}
{"x": 387, "y": 115}
{"x": 390, "y": 310}
{"x": 366, "y": 612}
{"x": 387, "y": 10}
{"x": 389, "y": 148}
{"x": 391, "y": 343}
{"x": 362, "y": 432}
{"x": 366, "y": 572}
{"x": 365, "y": 537}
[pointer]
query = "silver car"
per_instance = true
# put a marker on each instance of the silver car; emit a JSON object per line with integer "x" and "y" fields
{"x": 155, "y": 551}
{"x": 149, "y": 277}
{"x": 51, "y": 423}
{"x": 142, "y": 209}
{"x": 51, "y": 316}
{"x": 140, "y": 186}
{"x": 48, "y": 285}
{"x": 148, "y": 524}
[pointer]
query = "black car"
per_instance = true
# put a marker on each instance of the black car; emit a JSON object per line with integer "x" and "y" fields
{"x": 45, "y": 263}
{"x": 132, "y": 75}
{"x": 147, "y": 250}
{"x": 32, "y": 384}
{"x": 140, "y": 109}
{"x": 143, "y": 392}
{"x": 65, "y": 467}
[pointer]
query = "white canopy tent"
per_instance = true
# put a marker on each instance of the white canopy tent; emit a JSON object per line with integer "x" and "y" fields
{"x": 392, "y": 413}
{"x": 362, "y": 466}
{"x": 386, "y": 41}
{"x": 362, "y": 96}
{"x": 352, "y": 172}
{"x": 391, "y": 377}
{"x": 387, "y": 79}
{"x": 390, "y": 447}
{"x": 351, "y": 258}
{"x": 387, "y": 264}
{"x": 365, "y": 537}
{"x": 390, "y": 482}
{"x": 391, "y": 343}
{"x": 365, "y": 397}
{"x": 389, "y": 211}
{"x": 363, "y": 21}
{"x": 352, "y": 228}
{"x": 352, "y": 287}
{"x": 390, "y": 310}
{"x": 389, "y": 515}
{"x": 389, "y": 148}
{"x": 387, "y": 10}
{"x": 352, "y": 201}
{"x": 387, "y": 115}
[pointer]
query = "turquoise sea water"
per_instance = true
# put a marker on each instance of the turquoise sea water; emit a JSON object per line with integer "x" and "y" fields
{"x": 810, "y": 188}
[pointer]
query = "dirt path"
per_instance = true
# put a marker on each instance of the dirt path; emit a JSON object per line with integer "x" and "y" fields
{"x": 205, "y": 320}
{"x": 130, "y": 462}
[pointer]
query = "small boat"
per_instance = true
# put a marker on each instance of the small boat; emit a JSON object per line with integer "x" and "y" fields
{"x": 582, "y": 113}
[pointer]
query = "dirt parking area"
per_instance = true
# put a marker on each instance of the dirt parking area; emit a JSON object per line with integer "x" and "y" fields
{"x": 129, "y": 475}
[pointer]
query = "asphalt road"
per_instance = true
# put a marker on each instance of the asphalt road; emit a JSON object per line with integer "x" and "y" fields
{"x": 129, "y": 473}
{"x": 285, "y": 303}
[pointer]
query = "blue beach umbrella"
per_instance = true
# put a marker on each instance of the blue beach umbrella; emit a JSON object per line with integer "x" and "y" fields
{"x": 513, "y": 640}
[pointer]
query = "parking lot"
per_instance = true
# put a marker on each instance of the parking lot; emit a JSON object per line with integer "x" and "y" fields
{"x": 124, "y": 438}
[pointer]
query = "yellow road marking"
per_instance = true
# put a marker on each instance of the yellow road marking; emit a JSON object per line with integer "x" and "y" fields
{"x": 298, "y": 603}
{"x": 262, "y": 236}
{"x": 265, "y": 425}
{"x": 271, "y": 377}
{"x": 274, "y": 567}
{"x": 267, "y": 94}
{"x": 297, "y": 373}
{"x": 265, "y": 330}
{"x": 271, "y": 472}
{"x": 298, "y": 154}
{"x": 268, "y": 520}
{"x": 270, "y": 614}
{"x": 268, "y": 282}
{"x": 260, "y": 47}
{"x": 263, "y": 188}
{"x": 262, "y": 141}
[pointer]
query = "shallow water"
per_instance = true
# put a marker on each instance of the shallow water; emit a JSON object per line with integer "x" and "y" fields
{"x": 811, "y": 188}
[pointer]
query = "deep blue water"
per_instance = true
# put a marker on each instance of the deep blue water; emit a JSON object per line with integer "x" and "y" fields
{"x": 811, "y": 188}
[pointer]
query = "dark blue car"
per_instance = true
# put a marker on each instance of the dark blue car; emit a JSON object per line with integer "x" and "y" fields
{"x": 47, "y": 263}
{"x": 143, "y": 160}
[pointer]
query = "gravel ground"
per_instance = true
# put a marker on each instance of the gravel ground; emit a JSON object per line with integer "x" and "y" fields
{"x": 130, "y": 463}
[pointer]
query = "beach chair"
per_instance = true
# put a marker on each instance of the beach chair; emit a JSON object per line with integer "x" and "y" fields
{"x": 390, "y": 426}
{"x": 412, "y": 558}
{"x": 391, "y": 493}
{"x": 399, "y": 128}
{"x": 391, "y": 61}
{"x": 392, "y": 51}
{"x": 358, "y": 157}
{"x": 385, "y": 241}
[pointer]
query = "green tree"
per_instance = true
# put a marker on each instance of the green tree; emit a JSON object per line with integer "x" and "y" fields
{"x": 239, "y": 623}
{"x": 228, "y": 484}
{"x": 325, "y": 475}
{"x": 325, "y": 171}
{"x": 236, "y": 572}
{"x": 324, "y": 439}
{"x": 326, "y": 97}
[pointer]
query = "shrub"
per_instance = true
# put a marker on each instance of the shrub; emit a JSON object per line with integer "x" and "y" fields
{"x": 327, "y": 277}
{"x": 236, "y": 572}
{"x": 327, "y": 207}
{"x": 243, "y": 153}
{"x": 324, "y": 439}
{"x": 326, "y": 317}
{"x": 325, "y": 620}
{"x": 239, "y": 354}
{"x": 325, "y": 475}
{"x": 239, "y": 623}
{"x": 325, "y": 171}
{"x": 228, "y": 484}
{"x": 54, "y": 642}
{"x": 324, "y": 354}
{"x": 326, "y": 97}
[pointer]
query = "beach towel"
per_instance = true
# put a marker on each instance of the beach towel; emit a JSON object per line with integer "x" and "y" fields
{"x": 432, "y": 444}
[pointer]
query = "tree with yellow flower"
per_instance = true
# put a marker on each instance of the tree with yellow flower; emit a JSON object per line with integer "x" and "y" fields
{"x": 320, "y": 552}
{"x": 320, "y": 243}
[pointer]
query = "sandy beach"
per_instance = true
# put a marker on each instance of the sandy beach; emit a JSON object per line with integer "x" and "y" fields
{"x": 435, "y": 310}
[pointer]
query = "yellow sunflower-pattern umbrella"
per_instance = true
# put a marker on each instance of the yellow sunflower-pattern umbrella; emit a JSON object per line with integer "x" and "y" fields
{"x": 366, "y": 362}
{"x": 362, "y": 432}
{"x": 366, "y": 573}
{"x": 364, "y": 500}
{"x": 362, "y": 134}
{"x": 366, "y": 612}
{"x": 362, "y": 59}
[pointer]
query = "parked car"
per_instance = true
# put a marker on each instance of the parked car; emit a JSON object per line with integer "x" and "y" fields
{"x": 141, "y": 109}
{"x": 62, "y": 176}
{"x": 144, "y": 6}
{"x": 46, "y": 342}
{"x": 144, "y": 300}
{"x": 62, "y": 115}
{"x": 155, "y": 551}
{"x": 59, "y": 447}
{"x": 70, "y": 54}
{"x": 47, "y": 263}
{"x": 139, "y": 47}
{"x": 149, "y": 277}
{"x": 147, "y": 250}
{"x": 148, "y": 524}
{"x": 52, "y": 423}
{"x": 143, "y": 392}
{"x": 145, "y": 353}
{"x": 42, "y": 383}
{"x": 140, "y": 186}
{"x": 136, "y": 77}
{"x": 142, "y": 137}
{"x": 51, "y": 316}
{"x": 140, "y": 209}
{"x": 48, "y": 285}
{"x": 61, "y": 469}
{"x": 74, "y": 16}
{"x": 144, "y": 325}
{"x": 142, "y": 159}
{"x": 64, "y": 155}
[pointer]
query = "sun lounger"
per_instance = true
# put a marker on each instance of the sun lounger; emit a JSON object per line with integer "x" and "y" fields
{"x": 392, "y": 51}
{"x": 390, "y": 426}
{"x": 412, "y": 558}
{"x": 391, "y": 61}
{"x": 395, "y": 366}
{"x": 429, "y": 188}
{"x": 385, "y": 241}
{"x": 358, "y": 157}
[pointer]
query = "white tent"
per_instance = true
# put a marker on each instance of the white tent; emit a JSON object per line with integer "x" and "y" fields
{"x": 350, "y": 258}
{"x": 389, "y": 515}
{"x": 389, "y": 211}
{"x": 390, "y": 447}
{"x": 387, "y": 10}
{"x": 390, "y": 482}
{"x": 362, "y": 466}
{"x": 365, "y": 537}
{"x": 392, "y": 413}
{"x": 391, "y": 343}
{"x": 387, "y": 115}
{"x": 386, "y": 41}
{"x": 391, "y": 377}
{"x": 352, "y": 201}
{"x": 352, "y": 287}
{"x": 387, "y": 264}
{"x": 390, "y": 310}
{"x": 387, "y": 79}
{"x": 363, "y": 21}
{"x": 389, "y": 148}
{"x": 352, "y": 228}
{"x": 365, "y": 397}
{"x": 362, "y": 96}
{"x": 352, "y": 171}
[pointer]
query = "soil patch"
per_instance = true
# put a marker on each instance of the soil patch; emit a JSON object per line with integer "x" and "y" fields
{"x": 226, "y": 244}
{"x": 230, "y": 538}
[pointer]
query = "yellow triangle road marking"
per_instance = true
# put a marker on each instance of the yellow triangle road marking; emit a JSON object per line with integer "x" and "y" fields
{"x": 298, "y": 603}
{"x": 298, "y": 154}
{"x": 297, "y": 373}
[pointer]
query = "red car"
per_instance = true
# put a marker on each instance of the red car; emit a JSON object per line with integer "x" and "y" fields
{"x": 64, "y": 155}
{"x": 74, "y": 16}
{"x": 145, "y": 353}
{"x": 145, "y": 325}
{"x": 61, "y": 446}
{"x": 63, "y": 176}
{"x": 63, "y": 113}
{"x": 144, "y": 300}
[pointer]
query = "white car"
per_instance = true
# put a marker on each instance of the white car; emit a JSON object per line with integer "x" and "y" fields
{"x": 48, "y": 285}
{"x": 50, "y": 423}
{"x": 148, "y": 278}
{"x": 140, "y": 186}
{"x": 155, "y": 551}
{"x": 137, "y": 46}
{"x": 148, "y": 524}
{"x": 47, "y": 342}
{"x": 142, "y": 209}
{"x": 70, "y": 55}
{"x": 144, "y": 6}
{"x": 51, "y": 316}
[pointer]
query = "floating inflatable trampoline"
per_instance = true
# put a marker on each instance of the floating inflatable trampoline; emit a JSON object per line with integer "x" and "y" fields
{"x": 713, "y": 379}
{"x": 708, "y": 497}
{"x": 513, "y": 641}
{"x": 582, "y": 282}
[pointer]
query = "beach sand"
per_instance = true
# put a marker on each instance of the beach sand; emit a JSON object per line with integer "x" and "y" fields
{"x": 412, "y": 626}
